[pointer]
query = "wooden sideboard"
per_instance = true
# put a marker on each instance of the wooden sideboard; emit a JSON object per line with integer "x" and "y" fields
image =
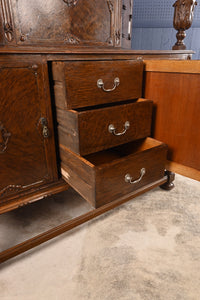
{"x": 72, "y": 111}
{"x": 29, "y": 160}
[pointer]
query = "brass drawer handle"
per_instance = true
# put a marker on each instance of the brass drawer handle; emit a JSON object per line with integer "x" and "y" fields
{"x": 100, "y": 85}
{"x": 129, "y": 179}
{"x": 112, "y": 129}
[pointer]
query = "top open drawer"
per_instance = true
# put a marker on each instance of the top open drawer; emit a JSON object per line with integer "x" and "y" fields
{"x": 89, "y": 83}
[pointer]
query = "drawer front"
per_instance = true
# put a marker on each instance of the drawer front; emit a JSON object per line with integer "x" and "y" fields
{"x": 81, "y": 84}
{"x": 109, "y": 175}
{"x": 94, "y": 130}
{"x": 130, "y": 174}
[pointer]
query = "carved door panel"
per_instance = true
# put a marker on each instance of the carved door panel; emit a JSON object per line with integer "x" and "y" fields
{"x": 63, "y": 22}
{"x": 27, "y": 157}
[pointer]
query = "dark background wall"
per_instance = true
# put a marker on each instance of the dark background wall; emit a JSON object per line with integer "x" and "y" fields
{"x": 153, "y": 26}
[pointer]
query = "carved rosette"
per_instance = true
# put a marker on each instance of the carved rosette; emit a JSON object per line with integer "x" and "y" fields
{"x": 183, "y": 18}
{"x": 7, "y": 20}
{"x": 4, "y": 138}
{"x": 71, "y": 2}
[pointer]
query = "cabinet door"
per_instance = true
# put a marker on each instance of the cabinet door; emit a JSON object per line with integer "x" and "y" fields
{"x": 27, "y": 153}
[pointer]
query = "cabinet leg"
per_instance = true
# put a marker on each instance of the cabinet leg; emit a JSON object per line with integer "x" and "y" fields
{"x": 169, "y": 184}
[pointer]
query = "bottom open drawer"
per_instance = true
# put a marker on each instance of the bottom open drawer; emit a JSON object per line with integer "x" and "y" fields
{"x": 105, "y": 176}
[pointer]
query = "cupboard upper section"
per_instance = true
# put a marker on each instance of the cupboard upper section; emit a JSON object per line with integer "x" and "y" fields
{"x": 61, "y": 23}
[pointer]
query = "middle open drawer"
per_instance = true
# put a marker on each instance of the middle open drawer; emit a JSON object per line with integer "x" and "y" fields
{"x": 92, "y": 130}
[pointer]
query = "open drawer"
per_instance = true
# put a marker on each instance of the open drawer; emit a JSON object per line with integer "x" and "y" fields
{"x": 111, "y": 174}
{"x": 88, "y": 131}
{"x": 88, "y": 83}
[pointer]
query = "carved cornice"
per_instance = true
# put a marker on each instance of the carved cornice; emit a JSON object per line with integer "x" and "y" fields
{"x": 71, "y": 39}
{"x": 4, "y": 138}
{"x": 7, "y": 20}
{"x": 71, "y": 2}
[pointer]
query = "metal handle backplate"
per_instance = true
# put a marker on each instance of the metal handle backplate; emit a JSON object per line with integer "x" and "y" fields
{"x": 45, "y": 130}
{"x": 130, "y": 180}
{"x": 112, "y": 129}
{"x": 100, "y": 85}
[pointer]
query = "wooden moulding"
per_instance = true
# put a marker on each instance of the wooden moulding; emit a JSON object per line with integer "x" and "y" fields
{"x": 34, "y": 195}
{"x": 171, "y": 66}
{"x": 52, "y": 233}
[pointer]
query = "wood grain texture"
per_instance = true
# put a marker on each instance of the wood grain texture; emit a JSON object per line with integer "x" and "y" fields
{"x": 183, "y": 170}
{"x": 166, "y": 66}
{"x": 177, "y": 110}
{"x": 28, "y": 160}
{"x": 102, "y": 174}
{"x": 86, "y": 131}
{"x": 81, "y": 81}
{"x": 53, "y": 22}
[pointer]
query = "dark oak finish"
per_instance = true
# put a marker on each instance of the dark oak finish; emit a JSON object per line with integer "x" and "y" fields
{"x": 32, "y": 195}
{"x": 45, "y": 40}
{"x": 76, "y": 82}
{"x": 175, "y": 89}
{"x": 27, "y": 159}
{"x": 100, "y": 177}
{"x": 61, "y": 22}
{"x": 74, "y": 127}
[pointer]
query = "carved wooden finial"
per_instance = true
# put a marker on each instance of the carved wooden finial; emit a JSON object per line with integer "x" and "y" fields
{"x": 183, "y": 17}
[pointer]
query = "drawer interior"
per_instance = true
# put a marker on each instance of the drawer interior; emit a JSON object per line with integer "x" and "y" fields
{"x": 115, "y": 153}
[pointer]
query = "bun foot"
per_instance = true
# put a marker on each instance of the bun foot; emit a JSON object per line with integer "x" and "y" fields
{"x": 169, "y": 185}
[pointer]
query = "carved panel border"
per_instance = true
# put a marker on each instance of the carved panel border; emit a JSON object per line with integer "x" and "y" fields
{"x": 7, "y": 20}
{"x": 12, "y": 188}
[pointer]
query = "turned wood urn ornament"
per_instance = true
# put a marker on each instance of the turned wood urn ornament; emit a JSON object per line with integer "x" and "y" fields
{"x": 183, "y": 17}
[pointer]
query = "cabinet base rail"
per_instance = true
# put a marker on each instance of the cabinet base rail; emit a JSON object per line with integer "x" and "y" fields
{"x": 54, "y": 232}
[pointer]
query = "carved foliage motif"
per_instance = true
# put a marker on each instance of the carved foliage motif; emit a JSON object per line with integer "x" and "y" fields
{"x": 71, "y": 2}
{"x": 183, "y": 14}
{"x": 10, "y": 189}
{"x": 183, "y": 17}
{"x": 4, "y": 137}
{"x": 7, "y": 20}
